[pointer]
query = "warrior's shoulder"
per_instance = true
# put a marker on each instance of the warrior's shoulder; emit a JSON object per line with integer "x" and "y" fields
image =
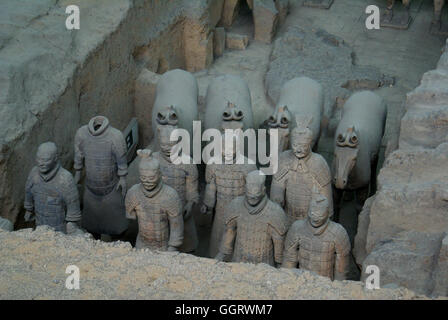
{"x": 321, "y": 170}
{"x": 133, "y": 190}
{"x": 277, "y": 217}
{"x": 34, "y": 174}
{"x": 298, "y": 226}
{"x": 65, "y": 176}
{"x": 337, "y": 230}
{"x": 83, "y": 131}
{"x": 169, "y": 193}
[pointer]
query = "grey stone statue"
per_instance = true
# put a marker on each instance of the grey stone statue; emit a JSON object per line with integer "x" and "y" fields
{"x": 300, "y": 170}
{"x": 184, "y": 179}
{"x": 317, "y": 243}
{"x": 156, "y": 206}
{"x": 436, "y": 24}
{"x": 224, "y": 183}
{"x": 255, "y": 227}
{"x": 102, "y": 150}
{"x": 51, "y": 196}
{"x": 391, "y": 20}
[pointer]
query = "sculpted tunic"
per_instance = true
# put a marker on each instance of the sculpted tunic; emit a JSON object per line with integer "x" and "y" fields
{"x": 254, "y": 234}
{"x": 292, "y": 185}
{"x": 184, "y": 179}
{"x": 53, "y": 197}
{"x": 324, "y": 250}
{"x": 224, "y": 183}
{"x": 159, "y": 213}
{"x": 103, "y": 151}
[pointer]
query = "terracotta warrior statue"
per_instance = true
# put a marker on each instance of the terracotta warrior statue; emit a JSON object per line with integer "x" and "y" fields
{"x": 317, "y": 243}
{"x": 389, "y": 19}
{"x": 102, "y": 150}
{"x": 156, "y": 206}
{"x": 300, "y": 170}
{"x": 51, "y": 194}
{"x": 184, "y": 179}
{"x": 255, "y": 227}
{"x": 224, "y": 183}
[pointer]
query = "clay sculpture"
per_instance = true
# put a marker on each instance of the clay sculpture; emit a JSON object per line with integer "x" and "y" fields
{"x": 255, "y": 227}
{"x": 102, "y": 150}
{"x": 228, "y": 104}
{"x": 298, "y": 97}
{"x": 224, "y": 183}
{"x": 300, "y": 171}
{"x": 176, "y": 101}
{"x": 184, "y": 179}
{"x": 391, "y": 20}
{"x": 317, "y": 243}
{"x": 436, "y": 24}
{"x": 357, "y": 143}
{"x": 156, "y": 206}
{"x": 51, "y": 194}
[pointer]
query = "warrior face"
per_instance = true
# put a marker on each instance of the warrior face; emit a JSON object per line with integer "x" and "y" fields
{"x": 318, "y": 213}
{"x": 46, "y": 157}
{"x": 149, "y": 169}
{"x": 301, "y": 140}
{"x": 166, "y": 145}
{"x": 255, "y": 188}
{"x": 150, "y": 178}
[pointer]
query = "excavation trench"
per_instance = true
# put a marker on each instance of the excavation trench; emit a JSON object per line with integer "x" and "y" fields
{"x": 138, "y": 40}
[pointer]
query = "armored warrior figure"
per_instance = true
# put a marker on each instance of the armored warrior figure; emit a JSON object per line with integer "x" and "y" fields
{"x": 102, "y": 149}
{"x": 157, "y": 207}
{"x": 224, "y": 183}
{"x": 300, "y": 170}
{"x": 255, "y": 226}
{"x": 51, "y": 193}
{"x": 184, "y": 179}
{"x": 317, "y": 243}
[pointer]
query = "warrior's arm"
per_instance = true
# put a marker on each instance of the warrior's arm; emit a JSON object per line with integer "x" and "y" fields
{"x": 192, "y": 191}
{"x": 290, "y": 257}
{"x": 342, "y": 246}
{"x": 328, "y": 193}
{"x": 278, "y": 186}
{"x": 79, "y": 155}
{"x": 131, "y": 203}
{"x": 71, "y": 199}
{"x": 119, "y": 150}
{"x": 278, "y": 240}
{"x": 210, "y": 189}
{"x": 176, "y": 223}
{"x": 29, "y": 199}
{"x": 228, "y": 238}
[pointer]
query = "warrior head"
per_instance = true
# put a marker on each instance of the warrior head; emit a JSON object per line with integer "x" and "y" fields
{"x": 229, "y": 147}
{"x": 318, "y": 213}
{"x": 149, "y": 169}
{"x": 302, "y": 138}
{"x": 166, "y": 145}
{"x": 255, "y": 187}
{"x": 46, "y": 157}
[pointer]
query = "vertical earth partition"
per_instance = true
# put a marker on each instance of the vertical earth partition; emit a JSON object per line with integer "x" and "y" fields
{"x": 53, "y": 80}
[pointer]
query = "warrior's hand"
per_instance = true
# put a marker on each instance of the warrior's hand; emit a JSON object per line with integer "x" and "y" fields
{"x": 29, "y": 216}
{"x": 172, "y": 249}
{"x": 122, "y": 184}
{"x": 188, "y": 210}
{"x": 205, "y": 209}
{"x": 73, "y": 229}
{"x": 220, "y": 256}
{"x": 77, "y": 176}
